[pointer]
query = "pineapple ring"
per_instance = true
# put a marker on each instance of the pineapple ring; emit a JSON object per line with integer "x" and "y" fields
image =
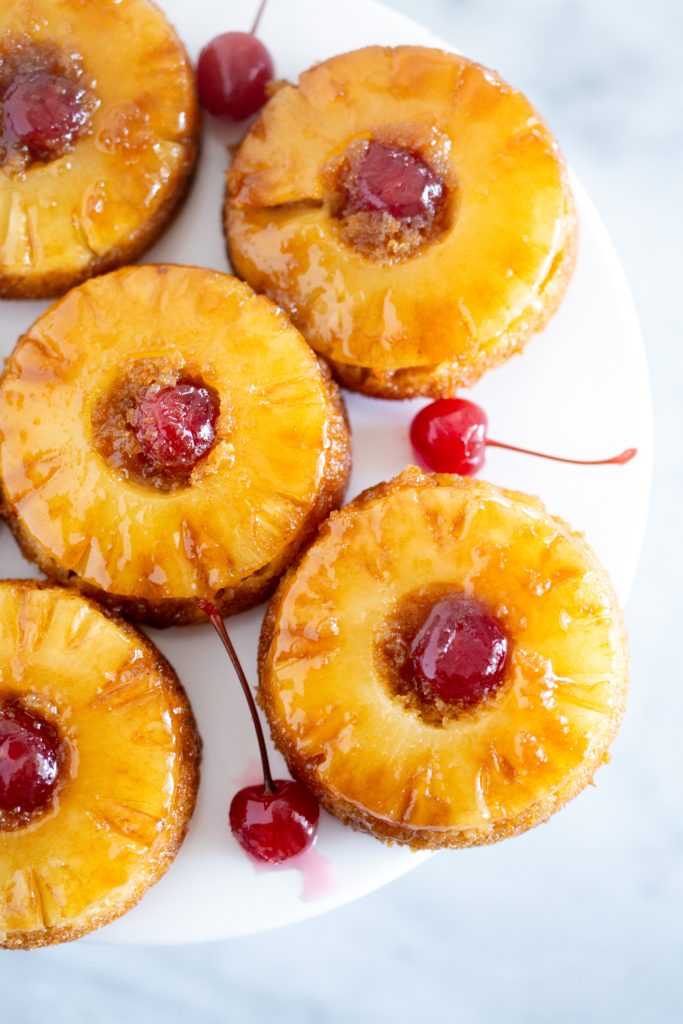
{"x": 279, "y": 464}
{"x": 464, "y": 302}
{"x": 123, "y": 808}
{"x": 105, "y": 202}
{"x": 491, "y": 771}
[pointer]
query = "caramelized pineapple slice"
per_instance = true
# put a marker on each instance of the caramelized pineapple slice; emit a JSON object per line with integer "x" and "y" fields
{"x": 438, "y": 303}
{"x": 432, "y": 775}
{"x": 73, "y": 472}
{"x": 129, "y": 770}
{"x": 103, "y": 196}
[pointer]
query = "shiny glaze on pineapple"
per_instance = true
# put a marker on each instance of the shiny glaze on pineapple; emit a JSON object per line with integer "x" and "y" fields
{"x": 123, "y": 771}
{"x": 337, "y": 708}
{"x": 117, "y": 182}
{"x": 157, "y": 544}
{"x": 496, "y": 157}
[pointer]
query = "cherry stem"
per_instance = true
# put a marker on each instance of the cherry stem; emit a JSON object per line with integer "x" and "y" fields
{"x": 617, "y": 460}
{"x": 216, "y": 620}
{"x": 259, "y": 15}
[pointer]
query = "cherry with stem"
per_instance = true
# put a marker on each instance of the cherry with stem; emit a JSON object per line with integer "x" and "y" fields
{"x": 276, "y": 820}
{"x": 450, "y": 436}
{"x": 233, "y": 73}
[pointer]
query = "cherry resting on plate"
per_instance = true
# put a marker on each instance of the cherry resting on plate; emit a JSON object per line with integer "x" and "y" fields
{"x": 460, "y": 652}
{"x": 449, "y": 436}
{"x": 389, "y": 179}
{"x": 274, "y": 826}
{"x": 176, "y": 426}
{"x": 278, "y": 819}
{"x": 43, "y": 112}
{"x": 29, "y": 760}
{"x": 232, "y": 73}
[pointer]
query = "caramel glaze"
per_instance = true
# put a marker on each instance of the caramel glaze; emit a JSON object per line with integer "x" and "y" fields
{"x": 415, "y": 322}
{"x": 279, "y": 463}
{"x": 115, "y": 186}
{"x": 375, "y": 759}
{"x": 129, "y": 784}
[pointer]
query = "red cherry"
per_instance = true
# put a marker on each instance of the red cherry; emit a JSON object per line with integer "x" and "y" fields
{"x": 460, "y": 652}
{"x": 278, "y": 819}
{"x": 389, "y": 179}
{"x": 449, "y": 436}
{"x": 232, "y": 74}
{"x": 176, "y": 426}
{"x": 44, "y": 112}
{"x": 29, "y": 760}
{"x": 274, "y": 826}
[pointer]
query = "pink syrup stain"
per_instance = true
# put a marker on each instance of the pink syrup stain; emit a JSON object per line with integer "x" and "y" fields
{"x": 318, "y": 874}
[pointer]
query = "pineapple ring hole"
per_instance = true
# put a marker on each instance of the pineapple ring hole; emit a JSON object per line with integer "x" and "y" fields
{"x": 42, "y": 720}
{"x": 115, "y": 425}
{"x": 393, "y": 644}
{"x": 391, "y": 195}
{"x": 46, "y": 102}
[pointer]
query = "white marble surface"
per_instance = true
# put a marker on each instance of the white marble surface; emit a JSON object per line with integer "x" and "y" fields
{"x": 581, "y": 920}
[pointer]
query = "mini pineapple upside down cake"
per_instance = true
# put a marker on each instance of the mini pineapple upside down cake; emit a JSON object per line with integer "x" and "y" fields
{"x": 99, "y": 765}
{"x": 167, "y": 436}
{"x": 98, "y": 138}
{"x": 412, "y": 213}
{"x": 447, "y": 664}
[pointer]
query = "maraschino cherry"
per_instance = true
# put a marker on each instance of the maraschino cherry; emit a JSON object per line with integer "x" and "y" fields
{"x": 460, "y": 652}
{"x": 43, "y": 112}
{"x": 450, "y": 436}
{"x": 278, "y": 819}
{"x": 29, "y": 761}
{"x": 389, "y": 179}
{"x": 232, "y": 73}
{"x": 176, "y": 426}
